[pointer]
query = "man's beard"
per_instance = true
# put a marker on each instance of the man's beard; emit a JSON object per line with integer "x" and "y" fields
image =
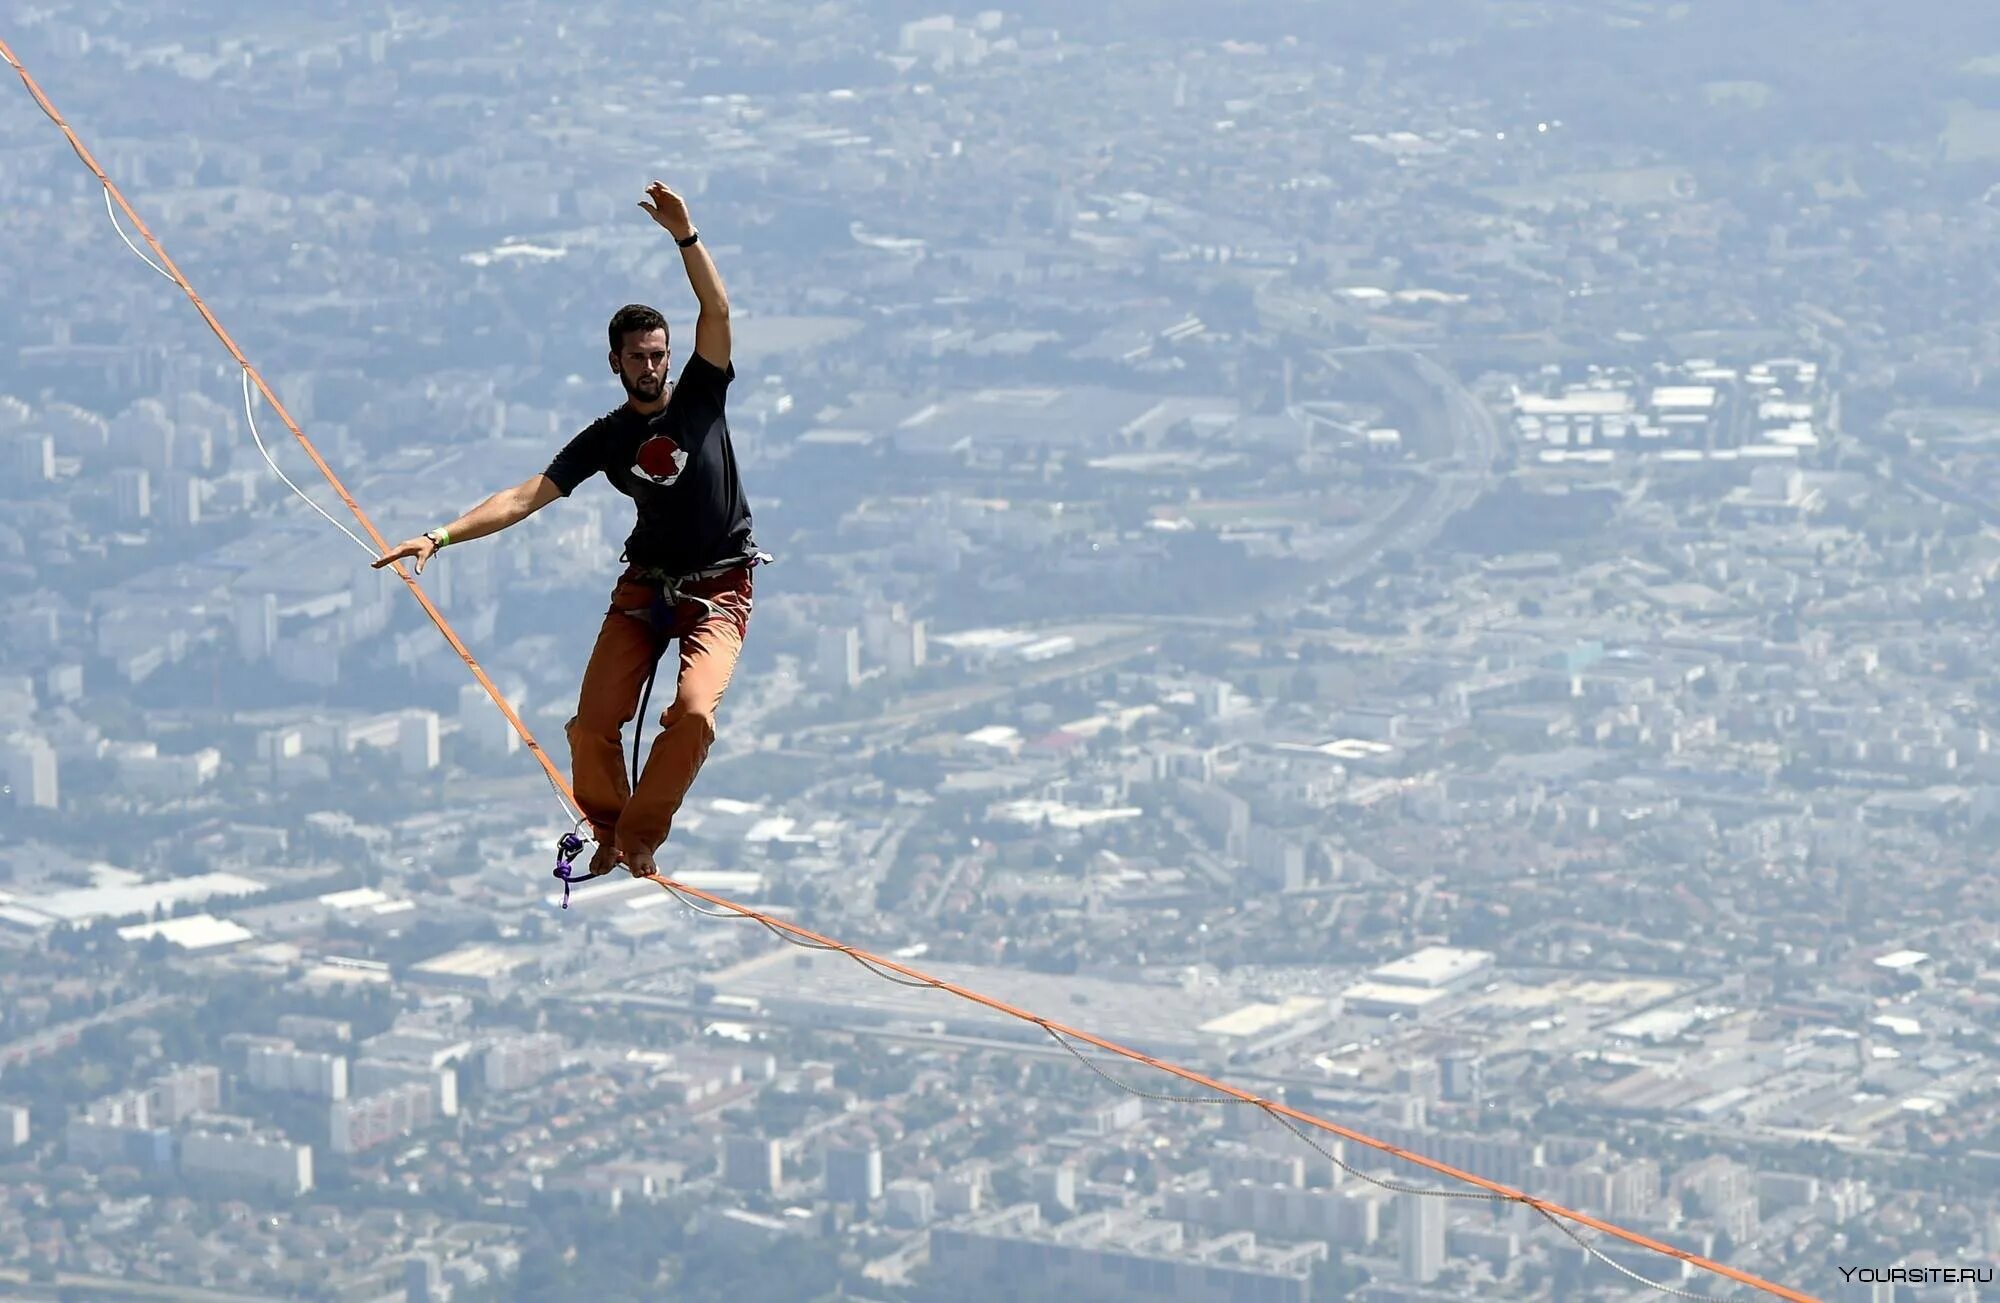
{"x": 644, "y": 390}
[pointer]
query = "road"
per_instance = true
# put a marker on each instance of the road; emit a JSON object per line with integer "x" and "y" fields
{"x": 1410, "y": 525}
{"x": 882, "y": 728}
{"x": 18, "y": 1285}
{"x": 1914, "y": 471}
{"x": 51, "y": 1039}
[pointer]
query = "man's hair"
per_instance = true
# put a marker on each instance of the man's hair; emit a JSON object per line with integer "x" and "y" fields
{"x": 631, "y": 317}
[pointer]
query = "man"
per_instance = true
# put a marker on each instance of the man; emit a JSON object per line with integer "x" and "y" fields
{"x": 688, "y": 559}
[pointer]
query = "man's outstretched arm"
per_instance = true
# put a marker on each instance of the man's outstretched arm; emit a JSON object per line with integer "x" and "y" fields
{"x": 507, "y": 507}
{"x": 711, "y": 328}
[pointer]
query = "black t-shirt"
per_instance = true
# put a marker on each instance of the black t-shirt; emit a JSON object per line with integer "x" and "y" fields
{"x": 678, "y": 466}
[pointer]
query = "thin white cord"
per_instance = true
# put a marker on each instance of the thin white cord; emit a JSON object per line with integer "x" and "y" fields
{"x": 1615, "y": 1265}
{"x": 248, "y": 411}
{"x": 251, "y": 416}
{"x": 112, "y": 213}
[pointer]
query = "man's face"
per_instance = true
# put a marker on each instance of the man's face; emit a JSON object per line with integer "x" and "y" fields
{"x": 641, "y": 364}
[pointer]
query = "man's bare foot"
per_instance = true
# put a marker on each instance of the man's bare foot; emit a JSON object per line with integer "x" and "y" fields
{"x": 639, "y": 863}
{"x": 606, "y": 859}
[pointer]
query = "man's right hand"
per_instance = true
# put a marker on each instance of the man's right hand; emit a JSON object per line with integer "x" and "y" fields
{"x": 669, "y": 210}
{"x": 419, "y": 547}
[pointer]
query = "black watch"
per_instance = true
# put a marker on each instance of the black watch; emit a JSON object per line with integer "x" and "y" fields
{"x": 693, "y": 237}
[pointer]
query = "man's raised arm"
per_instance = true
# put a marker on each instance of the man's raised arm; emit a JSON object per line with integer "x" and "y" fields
{"x": 507, "y": 507}
{"x": 711, "y": 328}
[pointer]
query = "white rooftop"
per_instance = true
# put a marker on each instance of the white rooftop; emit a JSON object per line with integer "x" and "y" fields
{"x": 1433, "y": 966}
{"x": 194, "y": 932}
{"x": 1346, "y": 748}
{"x": 122, "y": 900}
{"x": 1387, "y": 995}
{"x": 476, "y": 961}
{"x": 1256, "y": 1019}
{"x": 1897, "y": 1026}
{"x": 982, "y": 638}
{"x": 1684, "y": 397}
{"x": 357, "y": 898}
{"x": 1060, "y": 815}
{"x": 1655, "y": 1025}
{"x": 1584, "y": 402}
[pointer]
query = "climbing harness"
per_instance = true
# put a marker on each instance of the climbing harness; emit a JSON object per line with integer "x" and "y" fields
{"x": 660, "y": 616}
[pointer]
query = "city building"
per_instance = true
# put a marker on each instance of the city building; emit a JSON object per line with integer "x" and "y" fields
{"x": 261, "y": 1162}
{"x": 1420, "y": 1237}
{"x": 418, "y": 742}
{"x": 373, "y": 1076}
{"x": 837, "y": 660}
{"x": 31, "y": 771}
{"x": 752, "y": 1163}
{"x": 522, "y": 1061}
{"x": 1136, "y": 1257}
{"x": 854, "y": 1174}
{"x": 360, "y": 1124}
{"x": 298, "y": 1072}
{"x": 176, "y": 1096}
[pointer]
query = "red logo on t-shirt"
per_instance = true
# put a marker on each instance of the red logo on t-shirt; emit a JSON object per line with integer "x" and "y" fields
{"x": 660, "y": 460}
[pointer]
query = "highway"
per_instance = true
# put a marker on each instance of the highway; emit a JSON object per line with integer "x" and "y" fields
{"x": 69, "y": 1284}
{"x": 1410, "y": 524}
{"x": 911, "y": 712}
{"x": 48, "y": 1040}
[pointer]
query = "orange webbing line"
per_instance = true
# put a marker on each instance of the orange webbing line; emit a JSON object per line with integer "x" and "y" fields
{"x": 1443, "y": 1169}
{"x": 1241, "y": 1096}
{"x": 437, "y": 617}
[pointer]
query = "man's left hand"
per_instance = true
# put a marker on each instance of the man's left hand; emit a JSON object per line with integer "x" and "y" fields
{"x": 669, "y": 210}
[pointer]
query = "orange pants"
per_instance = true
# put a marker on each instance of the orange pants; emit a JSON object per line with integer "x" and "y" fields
{"x": 710, "y": 642}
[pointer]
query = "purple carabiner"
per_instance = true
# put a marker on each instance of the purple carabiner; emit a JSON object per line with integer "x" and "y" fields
{"x": 568, "y": 847}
